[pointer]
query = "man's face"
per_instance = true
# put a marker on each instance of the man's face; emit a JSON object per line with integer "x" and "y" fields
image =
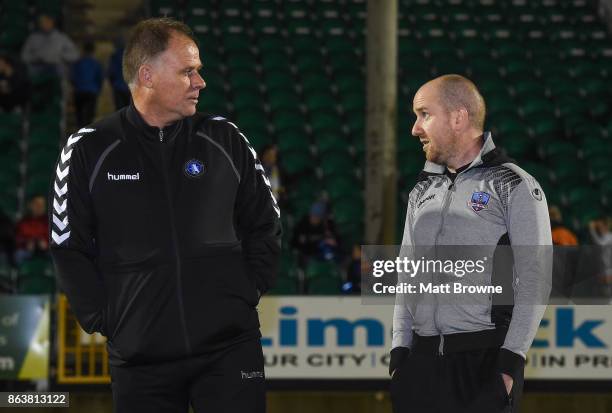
{"x": 176, "y": 82}
{"x": 269, "y": 157}
{"x": 46, "y": 23}
{"x": 38, "y": 206}
{"x": 432, "y": 126}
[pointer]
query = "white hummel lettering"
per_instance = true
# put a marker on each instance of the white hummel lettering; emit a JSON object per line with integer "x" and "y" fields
{"x": 59, "y": 238}
{"x": 61, "y": 225}
{"x": 60, "y": 191}
{"x": 59, "y": 208}
{"x": 123, "y": 177}
{"x": 66, "y": 156}
{"x": 85, "y": 130}
{"x": 61, "y": 173}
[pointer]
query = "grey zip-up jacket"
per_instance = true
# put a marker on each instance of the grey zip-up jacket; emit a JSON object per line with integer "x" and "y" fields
{"x": 492, "y": 202}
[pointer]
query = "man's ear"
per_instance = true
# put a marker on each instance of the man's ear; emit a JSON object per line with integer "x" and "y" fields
{"x": 460, "y": 119}
{"x": 145, "y": 76}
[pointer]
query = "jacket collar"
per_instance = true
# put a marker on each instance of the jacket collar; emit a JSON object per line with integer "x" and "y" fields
{"x": 152, "y": 132}
{"x": 488, "y": 156}
{"x": 484, "y": 156}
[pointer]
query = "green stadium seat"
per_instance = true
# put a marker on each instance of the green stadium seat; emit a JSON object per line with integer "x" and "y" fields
{"x": 536, "y": 107}
{"x": 528, "y": 88}
{"x": 338, "y": 165}
{"x": 600, "y": 167}
{"x": 545, "y": 128}
{"x": 347, "y": 212}
{"x": 296, "y": 162}
{"x": 325, "y": 285}
{"x": 517, "y": 146}
{"x": 330, "y": 143}
{"x": 42, "y": 161}
{"x": 274, "y": 60}
{"x": 559, "y": 149}
{"x": 279, "y": 81}
{"x": 287, "y": 120}
{"x": 39, "y": 183}
{"x": 293, "y": 141}
{"x": 345, "y": 64}
{"x": 284, "y": 100}
{"x": 354, "y": 102}
{"x": 284, "y": 286}
{"x": 600, "y": 109}
{"x": 339, "y": 44}
{"x": 606, "y": 192}
{"x": 36, "y": 285}
{"x": 243, "y": 81}
{"x": 325, "y": 122}
{"x": 320, "y": 269}
{"x": 247, "y": 101}
{"x": 313, "y": 82}
{"x": 10, "y": 205}
{"x": 509, "y": 125}
{"x": 348, "y": 84}
{"x": 593, "y": 146}
{"x": 236, "y": 43}
{"x": 342, "y": 188}
{"x": 42, "y": 267}
{"x": 581, "y": 196}
{"x": 238, "y": 62}
{"x": 320, "y": 101}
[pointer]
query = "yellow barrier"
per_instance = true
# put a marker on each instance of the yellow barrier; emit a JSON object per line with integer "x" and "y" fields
{"x": 82, "y": 357}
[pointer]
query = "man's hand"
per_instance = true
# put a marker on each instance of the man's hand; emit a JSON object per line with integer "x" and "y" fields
{"x": 508, "y": 381}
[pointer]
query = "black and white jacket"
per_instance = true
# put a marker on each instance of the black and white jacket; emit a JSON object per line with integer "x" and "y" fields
{"x": 163, "y": 239}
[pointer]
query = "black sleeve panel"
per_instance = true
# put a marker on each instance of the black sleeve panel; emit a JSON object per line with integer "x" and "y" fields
{"x": 257, "y": 215}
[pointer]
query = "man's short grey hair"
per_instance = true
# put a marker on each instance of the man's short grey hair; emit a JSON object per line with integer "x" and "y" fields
{"x": 147, "y": 40}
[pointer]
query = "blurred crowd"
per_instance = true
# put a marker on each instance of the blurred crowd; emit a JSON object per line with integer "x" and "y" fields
{"x": 314, "y": 237}
{"x": 50, "y": 52}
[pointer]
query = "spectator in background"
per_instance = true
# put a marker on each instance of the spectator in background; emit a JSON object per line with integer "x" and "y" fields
{"x": 7, "y": 239}
{"x": 315, "y": 236}
{"x": 48, "y": 49}
{"x": 14, "y": 84}
{"x": 561, "y": 235}
{"x": 121, "y": 92}
{"x": 601, "y": 233}
{"x": 565, "y": 260}
{"x": 87, "y": 81}
{"x": 353, "y": 272}
{"x": 269, "y": 160}
{"x": 32, "y": 232}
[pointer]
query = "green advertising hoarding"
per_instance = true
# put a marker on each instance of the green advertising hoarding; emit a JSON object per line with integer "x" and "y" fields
{"x": 24, "y": 336}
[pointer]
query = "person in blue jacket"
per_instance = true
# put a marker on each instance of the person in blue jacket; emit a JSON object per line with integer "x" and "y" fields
{"x": 87, "y": 82}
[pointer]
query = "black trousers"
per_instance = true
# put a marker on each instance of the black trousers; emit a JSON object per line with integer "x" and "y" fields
{"x": 85, "y": 107}
{"x": 230, "y": 380}
{"x": 456, "y": 382}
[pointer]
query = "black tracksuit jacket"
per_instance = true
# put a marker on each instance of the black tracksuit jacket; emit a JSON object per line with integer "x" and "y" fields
{"x": 163, "y": 240}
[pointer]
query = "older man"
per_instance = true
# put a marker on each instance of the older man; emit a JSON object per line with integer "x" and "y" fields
{"x": 165, "y": 233}
{"x": 467, "y": 354}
